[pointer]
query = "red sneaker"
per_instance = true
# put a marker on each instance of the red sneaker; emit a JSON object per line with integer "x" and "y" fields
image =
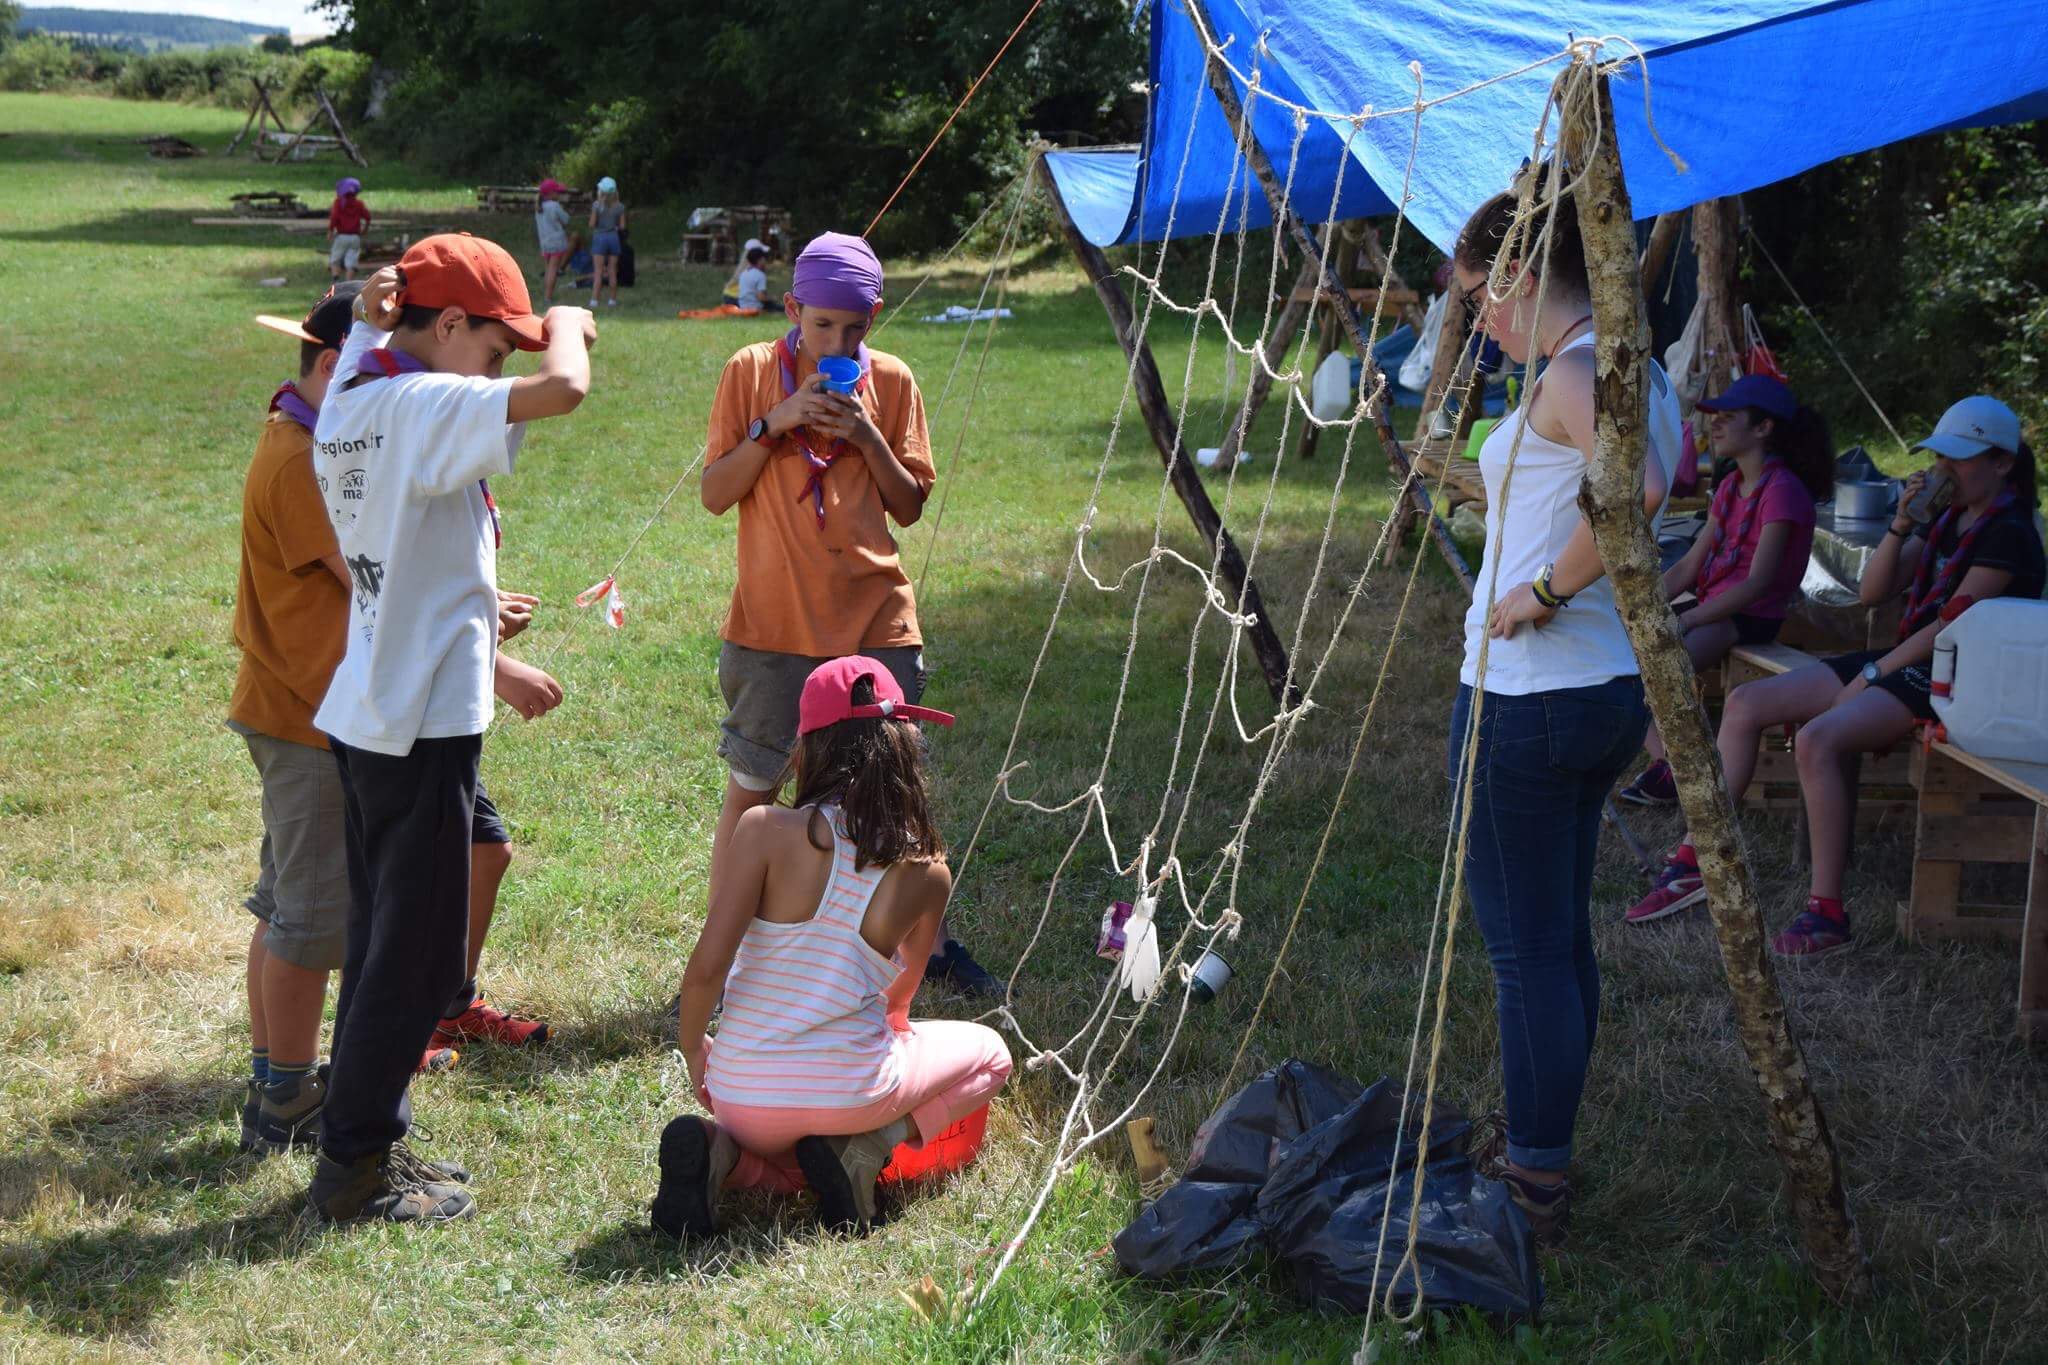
{"x": 436, "y": 1058}
{"x": 486, "y": 1023}
{"x": 1814, "y": 933}
{"x": 1678, "y": 887}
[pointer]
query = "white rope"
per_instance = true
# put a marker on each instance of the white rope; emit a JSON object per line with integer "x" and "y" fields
{"x": 1840, "y": 359}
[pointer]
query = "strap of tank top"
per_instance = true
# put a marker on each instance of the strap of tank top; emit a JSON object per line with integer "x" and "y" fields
{"x": 849, "y": 890}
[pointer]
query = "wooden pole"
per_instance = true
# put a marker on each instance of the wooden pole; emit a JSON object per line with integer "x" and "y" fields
{"x": 1284, "y": 219}
{"x": 255, "y": 106}
{"x": 1612, "y": 501}
{"x": 347, "y": 143}
{"x": 1166, "y": 435}
{"x": 1657, "y": 254}
{"x": 1284, "y": 327}
{"x": 1713, "y": 243}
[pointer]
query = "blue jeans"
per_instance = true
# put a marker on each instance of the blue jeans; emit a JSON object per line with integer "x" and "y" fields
{"x": 1545, "y": 764}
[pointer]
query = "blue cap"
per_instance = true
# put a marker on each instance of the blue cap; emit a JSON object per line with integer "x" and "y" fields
{"x": 1767, "y": 395}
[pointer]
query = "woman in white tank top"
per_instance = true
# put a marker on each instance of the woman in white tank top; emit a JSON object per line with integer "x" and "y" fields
{"x": 1562, "y": 711}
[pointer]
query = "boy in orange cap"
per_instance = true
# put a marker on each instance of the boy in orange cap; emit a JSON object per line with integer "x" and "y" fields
{"x": 417, "y": 420}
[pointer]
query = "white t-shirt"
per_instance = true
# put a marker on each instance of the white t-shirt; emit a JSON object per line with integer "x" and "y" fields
{"x": 1585, "y": 644}
{"x": 400, "y": 462}
{"x": 551, "y": 222}
{"x": 753, "y": 286}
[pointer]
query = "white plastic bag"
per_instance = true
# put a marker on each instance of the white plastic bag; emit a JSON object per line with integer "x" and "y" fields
{"x": 1682, "y": 360}
{"x": 1329, "y": 390}
{"x": 1421, "y": 362}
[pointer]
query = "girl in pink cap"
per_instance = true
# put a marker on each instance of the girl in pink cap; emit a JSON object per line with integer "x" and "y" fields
{"x": 551, "y": 225}
{"x": 818, "y": 933}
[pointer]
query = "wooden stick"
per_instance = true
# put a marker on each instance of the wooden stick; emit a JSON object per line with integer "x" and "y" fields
{"x": 347, "y": 144}
{"x": 1166, "y": 435}
{"x": 254, "y": 105}
{"x": 1612, "y": 501}
{"x": 1284, "y": 219}
{"x": 1657, "y": 254}
{"x": 1713, "y": 243}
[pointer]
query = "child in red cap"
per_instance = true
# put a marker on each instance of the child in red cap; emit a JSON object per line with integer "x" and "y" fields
{"x": 820, "y": 926}
{"x": 417, "y": 419}
{"x": 551, "y": 225}
{"x": 818, "y": 469}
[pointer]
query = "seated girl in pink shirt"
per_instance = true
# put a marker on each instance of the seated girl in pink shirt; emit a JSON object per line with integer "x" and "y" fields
{"x": 1745, "y": 568}
{"x": 817, "y": 1074}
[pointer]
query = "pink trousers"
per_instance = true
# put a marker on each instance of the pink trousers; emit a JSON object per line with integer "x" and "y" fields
{"x": 949, "y": 1069}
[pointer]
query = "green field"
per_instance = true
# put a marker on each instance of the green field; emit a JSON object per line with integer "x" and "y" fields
{"x": 132, "y": 383}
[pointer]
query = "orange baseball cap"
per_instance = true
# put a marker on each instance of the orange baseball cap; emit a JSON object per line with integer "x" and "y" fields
{"x": 456, "y": 270}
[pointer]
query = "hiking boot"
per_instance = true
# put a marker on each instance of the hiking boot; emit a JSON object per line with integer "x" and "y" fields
{"x": 953, "y": 965}
{"x": 289, "y": 1113}
{"x": 483, "y": 1022}
{"x": 1547, "y": 1207}
{"x": 1815, "y": 933}
{"x": 393, "y": 1185}
{"x": 252, "y": 1102}
{"x": 696, "y": 1157}
{"x": 436, "y": 1058}
{"x": 842, "y": 1173}
{"x": 1656, "y": 787}
{"x": 1679, "y": 887}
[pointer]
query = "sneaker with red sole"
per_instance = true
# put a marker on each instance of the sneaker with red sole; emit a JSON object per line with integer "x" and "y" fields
{"x": 1679, "y": 887}
{"x": 484, "y": 1022}
{"x": 1815, "y": 933}
{"x": 1656, "y": 787}
{"x": 436, "y": 1058}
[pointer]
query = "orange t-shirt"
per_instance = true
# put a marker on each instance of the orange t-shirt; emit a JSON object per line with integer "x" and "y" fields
{"x": 805, "y": 589}
{"x": 291, "y": 614}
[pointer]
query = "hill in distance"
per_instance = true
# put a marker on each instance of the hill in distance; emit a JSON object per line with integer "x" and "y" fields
{"x": 124, "y": 28}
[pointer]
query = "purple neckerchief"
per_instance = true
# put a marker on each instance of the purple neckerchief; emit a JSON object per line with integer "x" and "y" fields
{"x": 391, "y": 364}
{"x": 289, "y": 401}
{"x": 1933, "y": 587}
{"x": 814, "y": 487}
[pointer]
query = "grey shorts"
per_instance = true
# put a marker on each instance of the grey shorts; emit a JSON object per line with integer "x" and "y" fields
{"x": 761, "y": 693}
{"x": 302, "y": 889}
{"x": 346, "y": 250}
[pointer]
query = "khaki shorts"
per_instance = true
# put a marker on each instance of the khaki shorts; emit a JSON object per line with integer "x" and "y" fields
{"x": 302, "y": 890}
{"x": 346, "y": 250}
{"x": 761, "y": 694}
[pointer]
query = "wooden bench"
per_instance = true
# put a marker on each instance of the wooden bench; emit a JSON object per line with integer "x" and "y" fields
{"x": 1982, "y": 810}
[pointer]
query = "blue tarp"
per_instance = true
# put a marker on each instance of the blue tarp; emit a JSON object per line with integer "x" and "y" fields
{"x": 1747, "y": 91}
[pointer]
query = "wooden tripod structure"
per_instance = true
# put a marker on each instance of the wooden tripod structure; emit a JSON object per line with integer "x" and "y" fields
{"x": 263, "y": 115}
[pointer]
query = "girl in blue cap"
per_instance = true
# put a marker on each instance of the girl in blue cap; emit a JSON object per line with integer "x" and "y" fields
{"x": 607, "y": 224}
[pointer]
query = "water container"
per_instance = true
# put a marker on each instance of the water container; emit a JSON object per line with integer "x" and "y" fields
{"x": 943, "y": 1154}
{"x": 1991, "y": 679}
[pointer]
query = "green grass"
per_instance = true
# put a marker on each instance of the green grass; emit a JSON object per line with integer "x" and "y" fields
{"x": 131, "y": 386}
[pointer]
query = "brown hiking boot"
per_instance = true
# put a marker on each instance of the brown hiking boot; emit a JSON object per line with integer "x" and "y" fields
{"x": 696, "y": 1157}
{"x": 842, "y": 1172}
{"x": 394, "y": 1185}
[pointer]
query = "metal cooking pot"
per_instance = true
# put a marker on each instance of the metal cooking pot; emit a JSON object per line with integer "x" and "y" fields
{"x": 1864, "y": 499}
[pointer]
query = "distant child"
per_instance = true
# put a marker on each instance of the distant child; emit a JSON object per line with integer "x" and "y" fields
{"x": 417, "y": 419}
{"x": 747, "y": 292}
{"x": 291, "y": 616}
{"x": 551, "y": 225}
{"x": 1745, "y": 567}
{"x": 817, "y": 477}
{"x": 346, "y": 219}
{"x": 607, "y": 226}
{"x": 820, "y": 926}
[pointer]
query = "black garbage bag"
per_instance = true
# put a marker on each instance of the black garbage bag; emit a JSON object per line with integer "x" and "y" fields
{"x": 1296, "y": 1165}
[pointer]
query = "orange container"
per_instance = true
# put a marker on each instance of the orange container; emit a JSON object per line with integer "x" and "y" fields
{"x": 953, "y": 1148}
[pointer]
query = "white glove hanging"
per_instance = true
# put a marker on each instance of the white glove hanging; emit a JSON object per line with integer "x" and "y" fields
{"x": 1138, "y": 968}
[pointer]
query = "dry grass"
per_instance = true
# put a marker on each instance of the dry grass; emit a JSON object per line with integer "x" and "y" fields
{"x": 129, "y": 1226}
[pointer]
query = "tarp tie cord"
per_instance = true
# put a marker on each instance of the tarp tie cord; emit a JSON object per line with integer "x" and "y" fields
{"x": 1840, "y": 359}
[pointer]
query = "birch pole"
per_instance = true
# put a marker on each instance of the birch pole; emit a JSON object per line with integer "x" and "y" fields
{"x": 1612, "y": 502}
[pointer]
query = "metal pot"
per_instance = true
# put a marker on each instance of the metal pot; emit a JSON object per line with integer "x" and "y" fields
{"x": 1865, "y": 499}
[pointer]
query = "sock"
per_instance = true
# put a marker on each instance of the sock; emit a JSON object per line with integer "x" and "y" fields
{"x": 287, "y": 1076}
{"x": 1831, "y": 908}
{"x": 1684, "y": 854}
{"x": 259, "y": 1065}
{"x": 464, "y": 998}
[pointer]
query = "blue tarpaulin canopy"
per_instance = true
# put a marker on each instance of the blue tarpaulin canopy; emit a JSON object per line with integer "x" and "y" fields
{"x": 1746, "y": 91}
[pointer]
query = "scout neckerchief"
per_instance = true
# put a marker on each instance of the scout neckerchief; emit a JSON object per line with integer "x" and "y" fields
{"x": 389, "y": 365}
{"x": 289, "y": 401}
{"x": 814, "y": 487}
{"x": 1931, "y": 588}
{"x": 1728, "y": 538}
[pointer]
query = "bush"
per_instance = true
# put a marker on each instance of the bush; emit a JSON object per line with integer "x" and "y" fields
{"x": 39, "y": 62}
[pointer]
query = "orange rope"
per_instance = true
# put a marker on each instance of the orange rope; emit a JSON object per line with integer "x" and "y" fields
{"x": 955, "y": 114}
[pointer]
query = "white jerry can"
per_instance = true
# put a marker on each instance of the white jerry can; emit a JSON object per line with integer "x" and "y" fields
{"x": 1991, "y": 679}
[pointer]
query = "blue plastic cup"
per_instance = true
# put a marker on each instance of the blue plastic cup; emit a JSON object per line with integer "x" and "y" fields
{"x": 841, "y": 373}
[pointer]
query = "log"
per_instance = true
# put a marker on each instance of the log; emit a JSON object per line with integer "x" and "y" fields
{"x": 1334, "y": 291}
{"x": 1166, "y": 435}
{"x": 1612, "y": 501}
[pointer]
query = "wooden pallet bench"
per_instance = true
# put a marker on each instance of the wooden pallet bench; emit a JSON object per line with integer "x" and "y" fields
{"x": 1982, "y": 810}
{"x": 1881, "y": 784}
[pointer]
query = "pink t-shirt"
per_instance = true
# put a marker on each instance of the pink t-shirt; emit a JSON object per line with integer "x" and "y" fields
{"x": 1741, "y": 520}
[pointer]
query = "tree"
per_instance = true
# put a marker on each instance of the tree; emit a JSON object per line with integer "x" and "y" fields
{"x": 10, "y": 21}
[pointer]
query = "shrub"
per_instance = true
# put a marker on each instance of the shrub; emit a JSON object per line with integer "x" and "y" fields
{"x": 39, "y": 62}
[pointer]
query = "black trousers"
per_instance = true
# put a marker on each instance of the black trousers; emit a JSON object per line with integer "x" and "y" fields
{"x": 409, "y": 825}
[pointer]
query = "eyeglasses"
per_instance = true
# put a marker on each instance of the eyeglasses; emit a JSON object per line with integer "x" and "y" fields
{"x": 1473, "y": 301}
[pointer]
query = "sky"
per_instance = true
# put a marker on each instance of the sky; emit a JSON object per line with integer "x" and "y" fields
{"x": 298, "y": 16}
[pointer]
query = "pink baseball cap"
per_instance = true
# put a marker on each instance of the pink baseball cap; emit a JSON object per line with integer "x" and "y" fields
{"x": 828, "y": 696}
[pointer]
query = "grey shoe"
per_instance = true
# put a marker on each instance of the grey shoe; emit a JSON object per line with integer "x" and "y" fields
{"x": 696, "y": 1157}
{"x": 394, "y": 1185}
{"x": 842, "y": 1173}
{"x": 289, "y": 1114}
{"x": 252, "y": 1104}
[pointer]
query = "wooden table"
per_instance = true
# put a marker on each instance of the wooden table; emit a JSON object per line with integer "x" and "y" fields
{"x": 1982, "y": 810}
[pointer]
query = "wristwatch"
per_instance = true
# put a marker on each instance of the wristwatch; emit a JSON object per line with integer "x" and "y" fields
{"x": 1541, "y": 587}
{"x": 757, "y": 430}
{"x": 1871, "y": 672}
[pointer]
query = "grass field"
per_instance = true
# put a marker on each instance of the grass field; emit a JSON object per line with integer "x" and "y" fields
{"x": 131, "y": 385}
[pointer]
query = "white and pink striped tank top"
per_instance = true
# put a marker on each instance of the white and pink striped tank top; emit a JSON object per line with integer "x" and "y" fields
{"x": 805, "y": 1025}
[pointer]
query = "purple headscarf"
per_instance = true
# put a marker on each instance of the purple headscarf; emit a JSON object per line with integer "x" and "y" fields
{"x": 838, "y": 270}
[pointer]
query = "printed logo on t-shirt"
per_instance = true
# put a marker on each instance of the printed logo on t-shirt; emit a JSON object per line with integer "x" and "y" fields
{"x": 368, "y": 574}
